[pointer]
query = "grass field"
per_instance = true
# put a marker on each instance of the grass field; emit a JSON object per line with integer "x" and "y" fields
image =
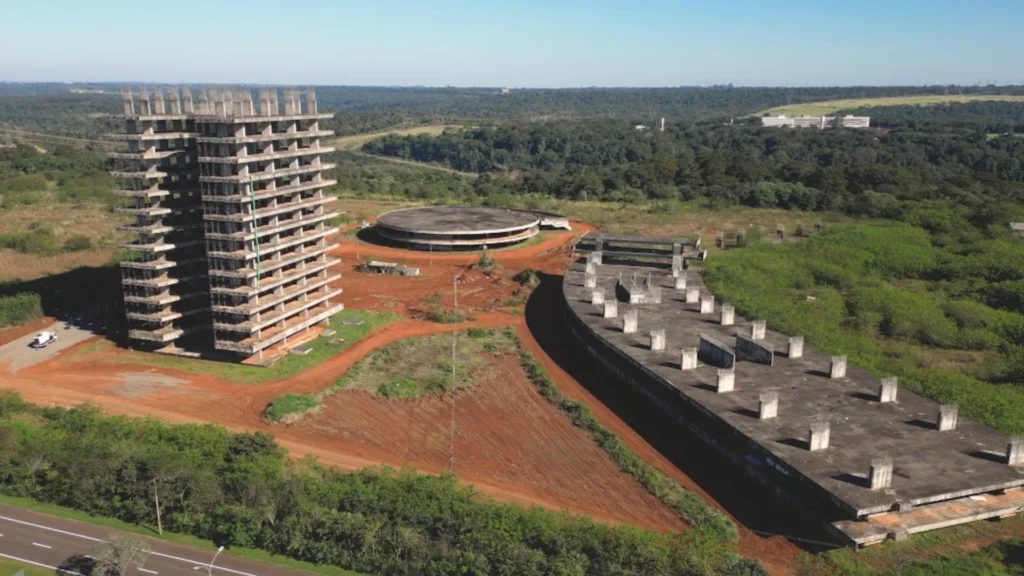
{"x": 832, "y": 106}
{"x": 290, "y": 365}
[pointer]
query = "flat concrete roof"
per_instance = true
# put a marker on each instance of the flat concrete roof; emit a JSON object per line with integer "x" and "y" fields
{"x": 457, "y": 220}
{"x": 929, "y": 465}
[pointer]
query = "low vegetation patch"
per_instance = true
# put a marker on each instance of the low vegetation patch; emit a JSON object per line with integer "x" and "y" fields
{"x": 289, "y": 407}
{"x": 20, "y": 308}
{"x": 438, "y": 313}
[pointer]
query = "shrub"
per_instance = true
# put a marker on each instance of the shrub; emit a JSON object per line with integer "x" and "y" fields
{"x": 290, "y": 405}
{"x": 20, "y": 308}
{"x": 77, "y": 243}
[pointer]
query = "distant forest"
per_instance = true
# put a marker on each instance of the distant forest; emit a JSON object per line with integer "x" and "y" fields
{"x": 52, "y": 108}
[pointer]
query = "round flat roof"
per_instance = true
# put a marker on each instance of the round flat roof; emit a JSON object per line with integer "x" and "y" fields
{"x": 457, "y": 220}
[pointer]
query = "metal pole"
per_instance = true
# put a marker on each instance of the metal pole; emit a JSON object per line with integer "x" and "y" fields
{"x": 455, "y": 334}
{"x": 209, "y": 567}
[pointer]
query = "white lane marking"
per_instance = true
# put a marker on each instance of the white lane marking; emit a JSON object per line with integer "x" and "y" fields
{"x": 54, "y": 568}
{"x": 41, "y": 545}
{"x": 66, "y": 533}
{"x": 148, "y": 571}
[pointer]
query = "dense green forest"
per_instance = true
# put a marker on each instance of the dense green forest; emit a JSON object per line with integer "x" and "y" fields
{"x": 64, "y": 174}
{"x": 241, "y": 490}
{"x": 991, "y": 117}
{"x": 856, "y": 171}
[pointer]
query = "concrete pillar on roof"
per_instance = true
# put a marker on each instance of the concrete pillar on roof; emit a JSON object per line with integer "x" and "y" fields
{"x": 597, "y": 297}
{"x": 837, "y": 368}
{"x": 677, "y": 248}
{"x": 887, "y": 390}
{"x": 720, "y": 239}
{"x": 679, "y": 282}
{"x": 946, "y": 419}
{"x": 880, "y": 475}
{"x": 1015, "y": 451}
{"x": 796, "y": 347}
{"x": 758, "y": 329}
{"x": 819, "y": 435}
{"x": 728, "y": 315}
{"x": 692, "y": 294}
{"x": 656, "y": 294}
{"x": 707, "y": 304}
{"x": 769, "y": 405}
{"x": 591, "y": 267}
{"x": 629, "y": 321}
{"x": 590, "y": 281}
{"x": 688, "y": 360}
{"x": 596, "y": 257}
{"x": 726, "y": 380}
{"x": 677, "y": 264}
{"x": 611, "y": 308}
{"x": 657, "y": 340}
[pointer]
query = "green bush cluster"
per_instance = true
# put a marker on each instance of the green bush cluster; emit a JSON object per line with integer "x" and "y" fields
{"x": 241, "y": 490}
{"x": 20, "y": 308}
{"x": 892, "y": 297}
{"x": 289, "y": 404}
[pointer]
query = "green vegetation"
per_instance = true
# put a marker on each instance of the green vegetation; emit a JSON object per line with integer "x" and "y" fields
{"x": 831, "y": 107}
{"x": 939, "y": 310}
{"x": 437, "y": 313}
{"x": 289, "y": 405}
{"x": 289, "y": 365}
{"x": 66, "y": 174}
{"x": 240, "y": 490}
{"x": 416, "y": 366}
{"x": 992, "y": 117}
{"x": 711, "y": 523}
{"x": 20, "y": 308}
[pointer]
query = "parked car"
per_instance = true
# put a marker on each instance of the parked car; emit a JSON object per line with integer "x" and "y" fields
{"x": 43, "y": 339}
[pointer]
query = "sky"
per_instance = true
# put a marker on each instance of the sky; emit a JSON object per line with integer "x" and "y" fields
{"x": 523, "y": 43}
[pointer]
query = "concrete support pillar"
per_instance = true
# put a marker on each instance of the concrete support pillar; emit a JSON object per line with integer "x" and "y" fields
{"x": 597, "y": 297}
{"x": 679, "y": 282}
{"x": 881, "y": 473}
{"x": 887, "y": 390}
{"x": 596, "y": 257}
{"x": 688, "y": 360}
{"x": 677, "y": 248}
{"x": 656, "y": 294}
{"x": 837, "y": 369}
{"x": 590, "y": 281}
{"x": 720, "y": 239}
{"x": 611, "y": 308}
{"x": 707, "y": 304}
{"x": 591, "y": 267}
{"x": 796, "y": 347}
{"x": 677, "y": 263}
{"x": 726, "y": 381}
{"x": 819, "y": 434}
{"x": 728, "y": 315}
{"x": 757, "y": 329}
{"x": 629, "y": 321}
{"x": 1015, "y": 451}
{"x": 769, "y": 405}
{"x": 692, "y": 294}
{"x": 946, "y": 420}
{"x": 657, "y": 340}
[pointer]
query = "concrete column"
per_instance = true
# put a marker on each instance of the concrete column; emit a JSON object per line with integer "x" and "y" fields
{"x": 629, "y": 321}
{"x": 837, "y": 369}
{"x": 728, "y": 315}
{"x": 703, "y": 255}
{"x": 611, "y": 308}
{"x": 757, "y": 329}
{"x": 796, "y": 347}
{"x": 596, "y": 257}
{"x": 769, "y": 405}
{"x": 881, "y": 473}
{"x": 1015, "y": 451}
{"x": 707, "y": 304}
{"x": 688, "y": 360}
{"x": 946, "y": 419}
{"x": 656, "y": 294}
{"x": 599, "y": 244}
{"x": 677, "y": 263}
{"x": 726, "y": 380}
{"x": 720, "y": 239}
{"x": 679, "y": 282}
{"x": 597, "y": 297}
{"x": 590, "y": 281}
{"x": 591, "y": 267}
{"x": 657, "y": 340}
{"x": 820, "y": 430}
{"x": 692, "y": 294}
{"x": 677, "y": 248}
{"x": 887, "y": 390}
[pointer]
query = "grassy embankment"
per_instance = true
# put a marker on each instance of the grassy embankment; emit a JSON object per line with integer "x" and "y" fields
{"x": 833, "y": 106}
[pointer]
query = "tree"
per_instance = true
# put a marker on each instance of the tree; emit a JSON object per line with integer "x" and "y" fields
{"x": 117, "y": 554}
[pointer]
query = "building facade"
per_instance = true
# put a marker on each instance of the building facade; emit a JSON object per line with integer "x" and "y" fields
{"x": 820, "y": 122}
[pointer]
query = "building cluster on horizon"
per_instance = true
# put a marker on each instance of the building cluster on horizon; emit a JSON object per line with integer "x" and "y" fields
{"x": 230, "y": 216}
{"x": 820, "y": 122}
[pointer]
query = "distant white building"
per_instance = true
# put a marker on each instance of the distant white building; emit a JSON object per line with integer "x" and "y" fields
{"x": 820, "y": 122}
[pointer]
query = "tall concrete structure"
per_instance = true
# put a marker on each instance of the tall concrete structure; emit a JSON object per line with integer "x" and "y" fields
{"x": 257, "y": 217}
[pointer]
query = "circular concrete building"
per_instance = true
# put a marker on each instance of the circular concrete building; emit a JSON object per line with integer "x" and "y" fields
{"x": 457, "y": 227}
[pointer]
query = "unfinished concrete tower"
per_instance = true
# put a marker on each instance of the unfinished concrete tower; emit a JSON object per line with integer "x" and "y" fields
{"x": 165, "y": 288}
{"x": 267, "y": 230}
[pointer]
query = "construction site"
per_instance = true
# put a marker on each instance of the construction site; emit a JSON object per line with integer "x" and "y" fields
{"x": 849, "y": 450}
{"x": 232, "y": 224}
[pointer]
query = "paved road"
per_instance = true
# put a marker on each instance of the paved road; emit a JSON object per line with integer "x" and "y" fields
{"x": 17, "y": 354}
{"x": 63, "y": 546}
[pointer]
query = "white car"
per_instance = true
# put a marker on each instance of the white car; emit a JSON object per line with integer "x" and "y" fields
{"x": 43, "y": 339}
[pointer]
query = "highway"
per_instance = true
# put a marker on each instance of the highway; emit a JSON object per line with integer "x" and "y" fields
{"x": 64, "y": 545}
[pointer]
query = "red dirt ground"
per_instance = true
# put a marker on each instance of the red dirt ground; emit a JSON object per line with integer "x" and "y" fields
{"x": 14, "y": 332}
{"x": 511, "y": 444}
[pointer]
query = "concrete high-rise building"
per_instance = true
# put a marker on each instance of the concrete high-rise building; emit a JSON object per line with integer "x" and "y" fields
{"x": 254, "y": 217}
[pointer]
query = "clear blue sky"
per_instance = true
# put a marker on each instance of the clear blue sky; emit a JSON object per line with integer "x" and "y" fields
{"x": 521, "y": 43}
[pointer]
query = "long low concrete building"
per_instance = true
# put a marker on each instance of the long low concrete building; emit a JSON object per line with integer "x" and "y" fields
{"x": 846, "y": 448}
